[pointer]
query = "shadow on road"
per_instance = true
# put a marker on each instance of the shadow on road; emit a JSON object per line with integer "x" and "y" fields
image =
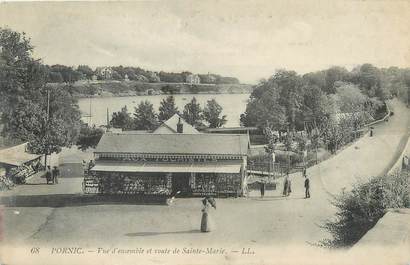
{"x": 67, "y": 200}
{"x": 276, "y": 198}
{"x": 161, "y": 233}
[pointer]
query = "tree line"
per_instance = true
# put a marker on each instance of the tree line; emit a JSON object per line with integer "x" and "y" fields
{"x": 146, "y": 118}
{"x": 66, "y": 74}
{"x": 332, "y": 104}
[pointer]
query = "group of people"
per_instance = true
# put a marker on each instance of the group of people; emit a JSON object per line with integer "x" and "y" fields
{"x": 52, "y": 175}
{"x": 287, "y": 185}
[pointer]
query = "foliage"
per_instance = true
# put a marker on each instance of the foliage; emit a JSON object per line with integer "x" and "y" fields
{"x": 167, "y": 108}
{"x": 89, "y": 137}
{"x": 86, "y": 71}
{"x": 25, "y": 113}
{"x": 193, "y": 113}
{"x": 122, "y": 119}
{"x": 167, "y": 89}
{"x": 360, "y": 209}
{"x": 68, "y": 74}
{"x": 263, "y": 109}
{"x": 145, "y": 117}
{"x": 212, "y": 114}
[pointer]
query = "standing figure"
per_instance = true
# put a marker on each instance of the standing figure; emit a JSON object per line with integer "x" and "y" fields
{"x": 48, "y": 174}
{"x": 307, "y": 187}
{"x": 285, "y": 185}
{"x": 56, "y": 174}
{"x": 91, "y": 165}
{"x": 206, "y": 222}
{"x": 289, "y": 186}
{"x": 304, "y": 172}
{"x": 262, "y": 189}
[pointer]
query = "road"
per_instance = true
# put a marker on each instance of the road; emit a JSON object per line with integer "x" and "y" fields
{"x": 33, "y": 215}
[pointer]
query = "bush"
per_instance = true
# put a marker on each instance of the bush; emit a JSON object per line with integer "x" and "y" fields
{"x": 360, "y": 209}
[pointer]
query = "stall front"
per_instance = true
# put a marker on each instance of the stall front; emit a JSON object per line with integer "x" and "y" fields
{"x": 18, "y": 163}
{"x": 188, "y": 165}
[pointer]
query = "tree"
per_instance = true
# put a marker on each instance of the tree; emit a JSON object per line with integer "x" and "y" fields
{"x": 47, "y": 117}
{"x": 212, "y": 114}
{"x": 193, "y": 113}
{"x": 145, "y": 117}
{"x": 168, "y": 89}
{"x": 316, "y": 104}
{"x": 89, "y": 137}
{"x": 333, "y": 75}
{"x": 122, "y": 119}
{"x": 263, "y": 109}
{"x": 361, "y": 208}
{"x": 350, "y": 99}
{"x": 167, "y": 108}
{"x": 54, "y": 77}
{"x": 86, "y": 71}
{"x": 368, "y": 77}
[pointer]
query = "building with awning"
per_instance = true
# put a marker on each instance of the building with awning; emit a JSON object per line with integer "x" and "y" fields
{"x": 188, "y": 164}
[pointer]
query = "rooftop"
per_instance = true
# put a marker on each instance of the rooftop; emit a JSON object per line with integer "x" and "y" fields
{"x": 209, "y": 144}
{"x": 16, "y": 155}
{"x": 171, "y": 124}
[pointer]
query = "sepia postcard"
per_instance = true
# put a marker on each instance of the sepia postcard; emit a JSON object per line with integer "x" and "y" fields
{"x": 205, "y": 132}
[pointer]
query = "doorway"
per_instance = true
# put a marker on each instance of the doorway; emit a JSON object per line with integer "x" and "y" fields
{"x": 180, "y": 182}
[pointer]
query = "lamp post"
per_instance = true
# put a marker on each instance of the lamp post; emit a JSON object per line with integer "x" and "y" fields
{"x": 47, "y": 121}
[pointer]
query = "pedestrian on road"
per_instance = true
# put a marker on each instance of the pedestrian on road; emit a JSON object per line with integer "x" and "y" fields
{"x": 307, "y": 187}
{"x": 56, "y": 174}
{"x": 285, "y": 185}
{"x": 206, "y": 220}
{"x": 289, "y": 186}
{"x": 262, "y": 189}
{"x": 48, "y": 174}
{"x": 304, "y": 172}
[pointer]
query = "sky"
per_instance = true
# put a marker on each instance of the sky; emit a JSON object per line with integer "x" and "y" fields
{"x": 245, "y": 39}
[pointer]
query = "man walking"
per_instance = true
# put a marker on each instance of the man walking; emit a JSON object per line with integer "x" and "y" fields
{"x": 56, "y": 174}
{"x": 307, "y": 187}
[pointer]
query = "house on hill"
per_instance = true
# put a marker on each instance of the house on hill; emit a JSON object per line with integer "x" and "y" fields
{"x": 193, "y": 79}
{"x": 175, "y": 124}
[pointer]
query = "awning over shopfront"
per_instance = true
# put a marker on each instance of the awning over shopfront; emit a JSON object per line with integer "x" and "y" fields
{"x": 16, "y": 155}
{"x": 168, "y": 167}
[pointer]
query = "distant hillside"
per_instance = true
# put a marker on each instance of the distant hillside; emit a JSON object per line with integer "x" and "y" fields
{"x": 133, "y": 88}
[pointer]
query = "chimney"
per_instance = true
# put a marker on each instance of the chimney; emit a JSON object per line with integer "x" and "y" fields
{"x": 180, "y": 126}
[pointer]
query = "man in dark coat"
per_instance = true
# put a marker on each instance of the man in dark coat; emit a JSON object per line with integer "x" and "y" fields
{"x": 56, "y": 174}
{"x": 262, "y": 189}
{"x": 307, "y": 187}
{"x": 48, "y": 174}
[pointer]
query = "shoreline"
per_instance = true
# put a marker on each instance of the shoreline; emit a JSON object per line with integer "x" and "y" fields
{"x": 110, "y": 95}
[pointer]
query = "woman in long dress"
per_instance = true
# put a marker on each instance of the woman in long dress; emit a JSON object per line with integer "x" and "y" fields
{"x": 206, "y": 222}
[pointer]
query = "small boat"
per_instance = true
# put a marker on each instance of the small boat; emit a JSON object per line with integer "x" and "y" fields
{"x": 183, "y": 98}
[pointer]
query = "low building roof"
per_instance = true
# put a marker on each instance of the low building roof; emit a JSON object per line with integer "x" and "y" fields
{"x": 178, "y": 143}
{"x": 16, "y": 155}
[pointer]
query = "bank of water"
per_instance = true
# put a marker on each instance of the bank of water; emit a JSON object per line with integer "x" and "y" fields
{"x": 233, "y": 105}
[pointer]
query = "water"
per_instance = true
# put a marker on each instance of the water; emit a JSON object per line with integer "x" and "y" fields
{"x": 233, "y": 105}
